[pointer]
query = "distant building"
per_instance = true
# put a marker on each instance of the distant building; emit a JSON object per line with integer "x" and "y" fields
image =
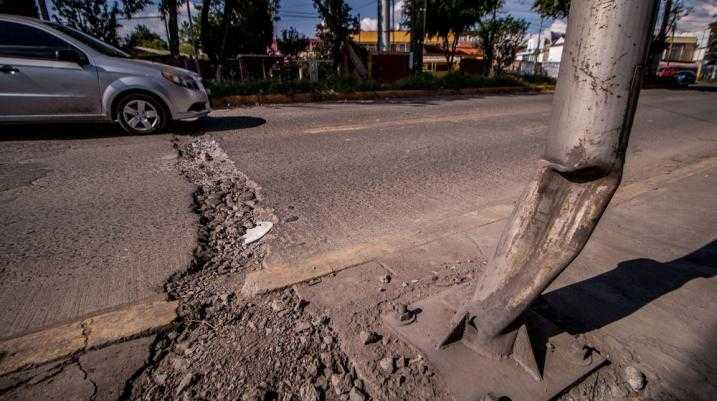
{"x": 680, "y": 54}
{"x": 680, "y": 49}
{"x": 543, "y": 49}
{"x": 468, "y": 56}
{"x": 546, "y": 51}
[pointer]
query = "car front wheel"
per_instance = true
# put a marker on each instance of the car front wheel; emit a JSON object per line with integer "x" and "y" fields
{"x": 141, "y": 114}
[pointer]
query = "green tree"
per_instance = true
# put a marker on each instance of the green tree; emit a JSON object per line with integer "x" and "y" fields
{"x": 132, "y": 7}
{"x": 451, "y": 19}
{"x": 509, "y": 40}
{"x": 291, "y": 43}
{"x": 336, "y": 27}
{"x": 490, "y": 27}
{"x": 169, "y": 8}
{"x": 322, "y": 48}
{"x": 672, "y": 12}
{"x": 552, "y": 8}
{"x": 97, "y": 18}
{"x": 143, "y": 36}
{"x": 413, "y": 18}
{"x": 228, "y": 28}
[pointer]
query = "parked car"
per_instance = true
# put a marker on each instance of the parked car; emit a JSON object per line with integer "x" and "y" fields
{"x": 677, "y": 75}
{"x": 684, "y": 78}
{"x": 51, "y": 73}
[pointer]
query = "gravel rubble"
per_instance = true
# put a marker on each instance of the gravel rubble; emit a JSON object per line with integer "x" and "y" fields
{"x": 228, "y": 348}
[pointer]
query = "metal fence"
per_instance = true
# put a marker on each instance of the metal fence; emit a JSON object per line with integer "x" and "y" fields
{"x": 549, "y": 69}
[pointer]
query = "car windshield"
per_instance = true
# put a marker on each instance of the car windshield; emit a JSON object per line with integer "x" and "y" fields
{"x": 88, "y": 40}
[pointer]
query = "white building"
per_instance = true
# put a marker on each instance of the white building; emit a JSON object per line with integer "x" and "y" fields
{"x": 548, "y": 51}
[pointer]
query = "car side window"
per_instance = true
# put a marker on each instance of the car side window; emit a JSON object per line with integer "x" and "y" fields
{"x": 24, "y": 41}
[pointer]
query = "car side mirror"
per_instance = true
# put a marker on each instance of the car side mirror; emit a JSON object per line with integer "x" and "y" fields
{"x": 71, "y": 55}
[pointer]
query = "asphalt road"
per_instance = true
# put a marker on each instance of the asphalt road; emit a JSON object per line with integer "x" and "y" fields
{"x": 367, "y": 172}
{"x": 91, "y": 219}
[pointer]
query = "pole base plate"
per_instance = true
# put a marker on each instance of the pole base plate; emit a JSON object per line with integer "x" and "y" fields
{"x": 470, "y": 376}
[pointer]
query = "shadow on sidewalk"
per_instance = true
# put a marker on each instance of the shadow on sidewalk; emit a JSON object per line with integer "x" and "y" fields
{"x": 598, "y": 301}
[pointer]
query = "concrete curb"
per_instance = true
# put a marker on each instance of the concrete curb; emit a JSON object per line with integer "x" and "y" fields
{"x": 247, "y": 100}
{"x": 94, "y": 332}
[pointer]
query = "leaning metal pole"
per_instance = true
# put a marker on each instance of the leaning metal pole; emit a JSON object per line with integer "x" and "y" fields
{"x": 593, "y": 111}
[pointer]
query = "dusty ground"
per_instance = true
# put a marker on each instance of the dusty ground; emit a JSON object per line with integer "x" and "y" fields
{"x": 324, "y": 188}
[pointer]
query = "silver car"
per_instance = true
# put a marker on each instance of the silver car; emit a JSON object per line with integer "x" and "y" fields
{"x": 52, "y": 73}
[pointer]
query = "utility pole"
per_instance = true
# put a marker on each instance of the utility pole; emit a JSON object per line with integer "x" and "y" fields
{"x": 173, "y": 29}
{"x": 537, "y": 48}
{"x": 383, "y": 25}
{"x": 658, "y": 44}
{"x": 417, "y": 34}
{"x": 594, "y": 106}
{"x": 593, "y": 111}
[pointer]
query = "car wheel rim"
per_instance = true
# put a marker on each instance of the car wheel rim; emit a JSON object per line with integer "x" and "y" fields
{"x": 140, "y": 115}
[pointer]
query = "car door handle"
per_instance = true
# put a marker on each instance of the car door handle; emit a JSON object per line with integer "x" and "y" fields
{"x": 8, "y": 69}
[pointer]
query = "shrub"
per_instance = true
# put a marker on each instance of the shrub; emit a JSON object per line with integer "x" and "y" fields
{"x": 424, "y": 81}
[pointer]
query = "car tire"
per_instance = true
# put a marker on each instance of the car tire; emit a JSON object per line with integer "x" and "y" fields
{"x": 141, "y": 114}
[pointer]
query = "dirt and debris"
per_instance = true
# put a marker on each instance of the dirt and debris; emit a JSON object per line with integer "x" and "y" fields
{"x": 298, "y": 344}
{"x": 369, "y": 337}
{"x": 634, "y": 378}
{"x": 228, "y": 348}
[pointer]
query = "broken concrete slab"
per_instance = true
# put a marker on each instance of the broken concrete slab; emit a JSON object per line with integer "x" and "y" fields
{"x": 40, "y": 347}
{"x": 130, "y": 321}
{"x": 111, "y": 367}
{"x": 68, "y": 382}
{"x": 94, "y": 332}
{"x": 557, "y": 367}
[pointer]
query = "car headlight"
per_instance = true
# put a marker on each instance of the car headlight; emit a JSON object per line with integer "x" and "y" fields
{"x": 181, "y": 79}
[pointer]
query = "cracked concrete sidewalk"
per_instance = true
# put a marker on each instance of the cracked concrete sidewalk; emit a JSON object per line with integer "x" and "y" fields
{"x": 100, "y": 375}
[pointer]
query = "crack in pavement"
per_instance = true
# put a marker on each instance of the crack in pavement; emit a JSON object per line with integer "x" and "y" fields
{"x": 86, "y": 376}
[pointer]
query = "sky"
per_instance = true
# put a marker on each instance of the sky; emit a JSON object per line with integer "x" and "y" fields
{"x": 300, "y": 14}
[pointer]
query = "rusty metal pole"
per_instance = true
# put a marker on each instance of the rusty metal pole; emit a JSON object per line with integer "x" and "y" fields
{"x": 593, "y": 111}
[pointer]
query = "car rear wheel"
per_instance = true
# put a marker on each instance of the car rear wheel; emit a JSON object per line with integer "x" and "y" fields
{"x": 141, "y": 114}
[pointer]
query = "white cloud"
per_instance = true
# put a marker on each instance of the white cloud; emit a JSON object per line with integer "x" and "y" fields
{"x": 558, "y": 26}
{"x": 699, "y": 17}
{"x": 369, "y": 24}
